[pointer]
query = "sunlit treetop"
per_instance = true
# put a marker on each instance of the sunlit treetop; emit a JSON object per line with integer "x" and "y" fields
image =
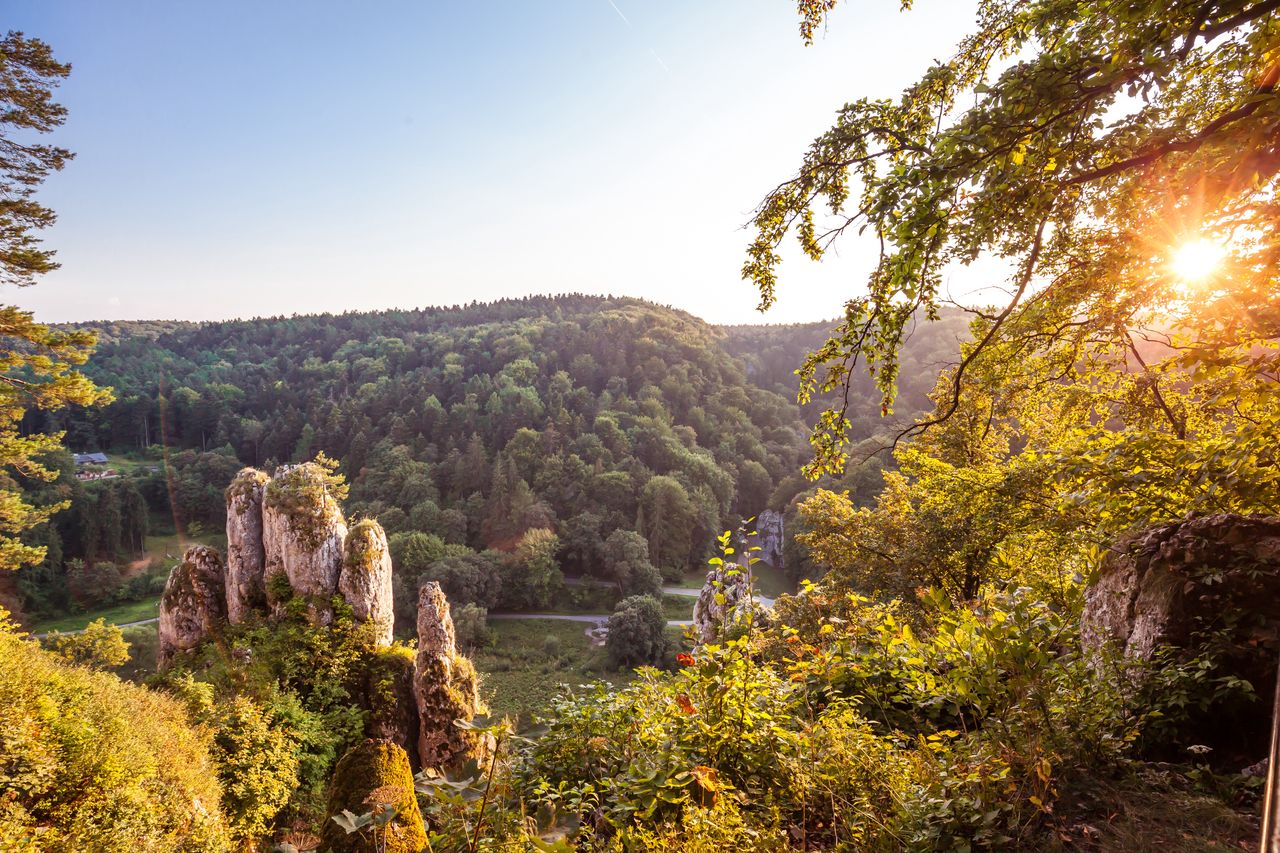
{"x": 1099, "y": 149}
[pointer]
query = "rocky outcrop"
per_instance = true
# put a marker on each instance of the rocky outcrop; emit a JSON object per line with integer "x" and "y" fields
{"x": 444, "y": 685}
{"x": 1163, "y": 586}
{"x": 303, "y": 534}
{"x": 369, "y": 778}
{"x": 246, "y": 554}
{"x": 193, "y": 604}
{"x": 1175, "y": 585}
{"x": 721, "y": 602}
{"x": 769, "y": 537}
{"x": 365, "y": 578}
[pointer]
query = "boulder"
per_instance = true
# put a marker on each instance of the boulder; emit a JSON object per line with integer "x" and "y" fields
{"x": 722, "y": 601}
{"x": 769, "y": 537}
{"x": 193, "y": 604}
{"x": 445, "y": 686}
{"x": 365, "y": 578}
{"x": 1174, "y": 585}
{"x": 303, "y": 534}
{"x": 246, "y": 554}
{"x": 369, "y": 777}
{"x": 1166, "y": 584}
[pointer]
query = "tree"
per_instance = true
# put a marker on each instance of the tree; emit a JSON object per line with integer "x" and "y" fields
{"x": 98, "y": 646}
{"x": 532, "y": 576}
{"x": 666, "y": 521}
{"x": 637, "y": 632}
{"x": 36, "y": 362}
{"x": 626, "y": 563}
{"x": 580, "y": 542}
{"x": 1117, "y": 139}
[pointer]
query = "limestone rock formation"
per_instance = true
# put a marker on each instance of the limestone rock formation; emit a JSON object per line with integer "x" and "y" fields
{"x": 721, "y": 602}
{"x": 193, "y": 604}
{"x": 303, "y": 534}
{"x": 1173, "y": 584}
{"x": 371, "y": 776}
{"x": 769, "y": 537}
{"x": 1166, "y": 583}
{"x": 246, "y": 555}
{"x": 365, "y": 578}
{"x": 444, "y": 685}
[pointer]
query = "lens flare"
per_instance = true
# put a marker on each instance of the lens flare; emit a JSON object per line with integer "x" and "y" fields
{"x": 1197, "y": 260}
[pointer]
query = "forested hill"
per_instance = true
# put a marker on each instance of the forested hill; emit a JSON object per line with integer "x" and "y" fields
{"x": 576, "y": 414}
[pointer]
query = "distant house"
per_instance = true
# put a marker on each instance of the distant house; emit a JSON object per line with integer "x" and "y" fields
{"x": 90, "y": 458}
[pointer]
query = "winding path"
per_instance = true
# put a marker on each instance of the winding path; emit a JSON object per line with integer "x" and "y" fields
{"x": 44, "y": 634}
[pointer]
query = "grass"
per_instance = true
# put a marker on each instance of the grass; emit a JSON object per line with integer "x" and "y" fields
{"x": 678, "y": 606}
{"x": 770, "y": 582}
{"x": 133, "y": 611}
{"x": 523, "y": 669}
{"x": 162, "y": 552}
{"x": 130, "y": 464}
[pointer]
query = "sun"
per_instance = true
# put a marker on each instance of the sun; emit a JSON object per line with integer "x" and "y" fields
{"x": 1196, "y": 260}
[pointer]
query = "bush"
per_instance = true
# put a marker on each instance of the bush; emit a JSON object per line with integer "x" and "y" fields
{"x": 88, "y": 762}
{"x": 637, "y": 632}
{"x": 471, "y": 627}
{"x": 862, "y": 730}
{"x": 99, "y": 646}
{"x": 257, "y": 764}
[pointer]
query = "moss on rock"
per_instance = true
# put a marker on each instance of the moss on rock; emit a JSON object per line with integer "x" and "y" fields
{"x": 388, "y": 696}
{"x": 365, "y": 579}
{"x": 193, "y": 605}
{"x": 373, "y": 774}
{"x": 246, "y": 551}
{"x": 303, "y": 534}
{"x": 303, "y": 494}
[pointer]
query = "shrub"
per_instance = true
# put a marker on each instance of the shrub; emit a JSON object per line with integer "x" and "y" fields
{"x": 637, "y": 632}
{"x": 88, "y": 762}
{"x": 99, "y": 646}
{"x": 471, "y": 626}
{"x": 257, "y": 764}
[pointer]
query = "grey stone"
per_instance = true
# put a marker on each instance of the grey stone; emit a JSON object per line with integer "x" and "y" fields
{"x": 365, "y": 579}
{"x": 246, "y": 554}
{"x": 193, "y": 604}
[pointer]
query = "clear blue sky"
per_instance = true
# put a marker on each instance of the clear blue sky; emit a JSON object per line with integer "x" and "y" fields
{"x": 238, "y": 159}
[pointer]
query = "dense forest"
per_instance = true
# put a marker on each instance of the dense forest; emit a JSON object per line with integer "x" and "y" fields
{"x": 461, "y": 430}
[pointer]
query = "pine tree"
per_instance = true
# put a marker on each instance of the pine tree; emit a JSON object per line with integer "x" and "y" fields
{"x": 36, "y": 362}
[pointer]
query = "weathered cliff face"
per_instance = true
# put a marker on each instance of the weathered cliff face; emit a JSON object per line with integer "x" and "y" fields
{"x": 365, "y": 578}
{"x": 193, "y": 604}
{"x": 444, "y": 685}
{"x": 723, "y": 597}
{"x": 303, "y": 535}
{"x": 1165, "y": 584}
{"x": 1174, "y": 585}
{"x": 769, "y": 537}
{"x": 246, "y": 554}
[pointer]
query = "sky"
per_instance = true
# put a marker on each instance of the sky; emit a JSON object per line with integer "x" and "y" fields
{"x": 242, "y": 159}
